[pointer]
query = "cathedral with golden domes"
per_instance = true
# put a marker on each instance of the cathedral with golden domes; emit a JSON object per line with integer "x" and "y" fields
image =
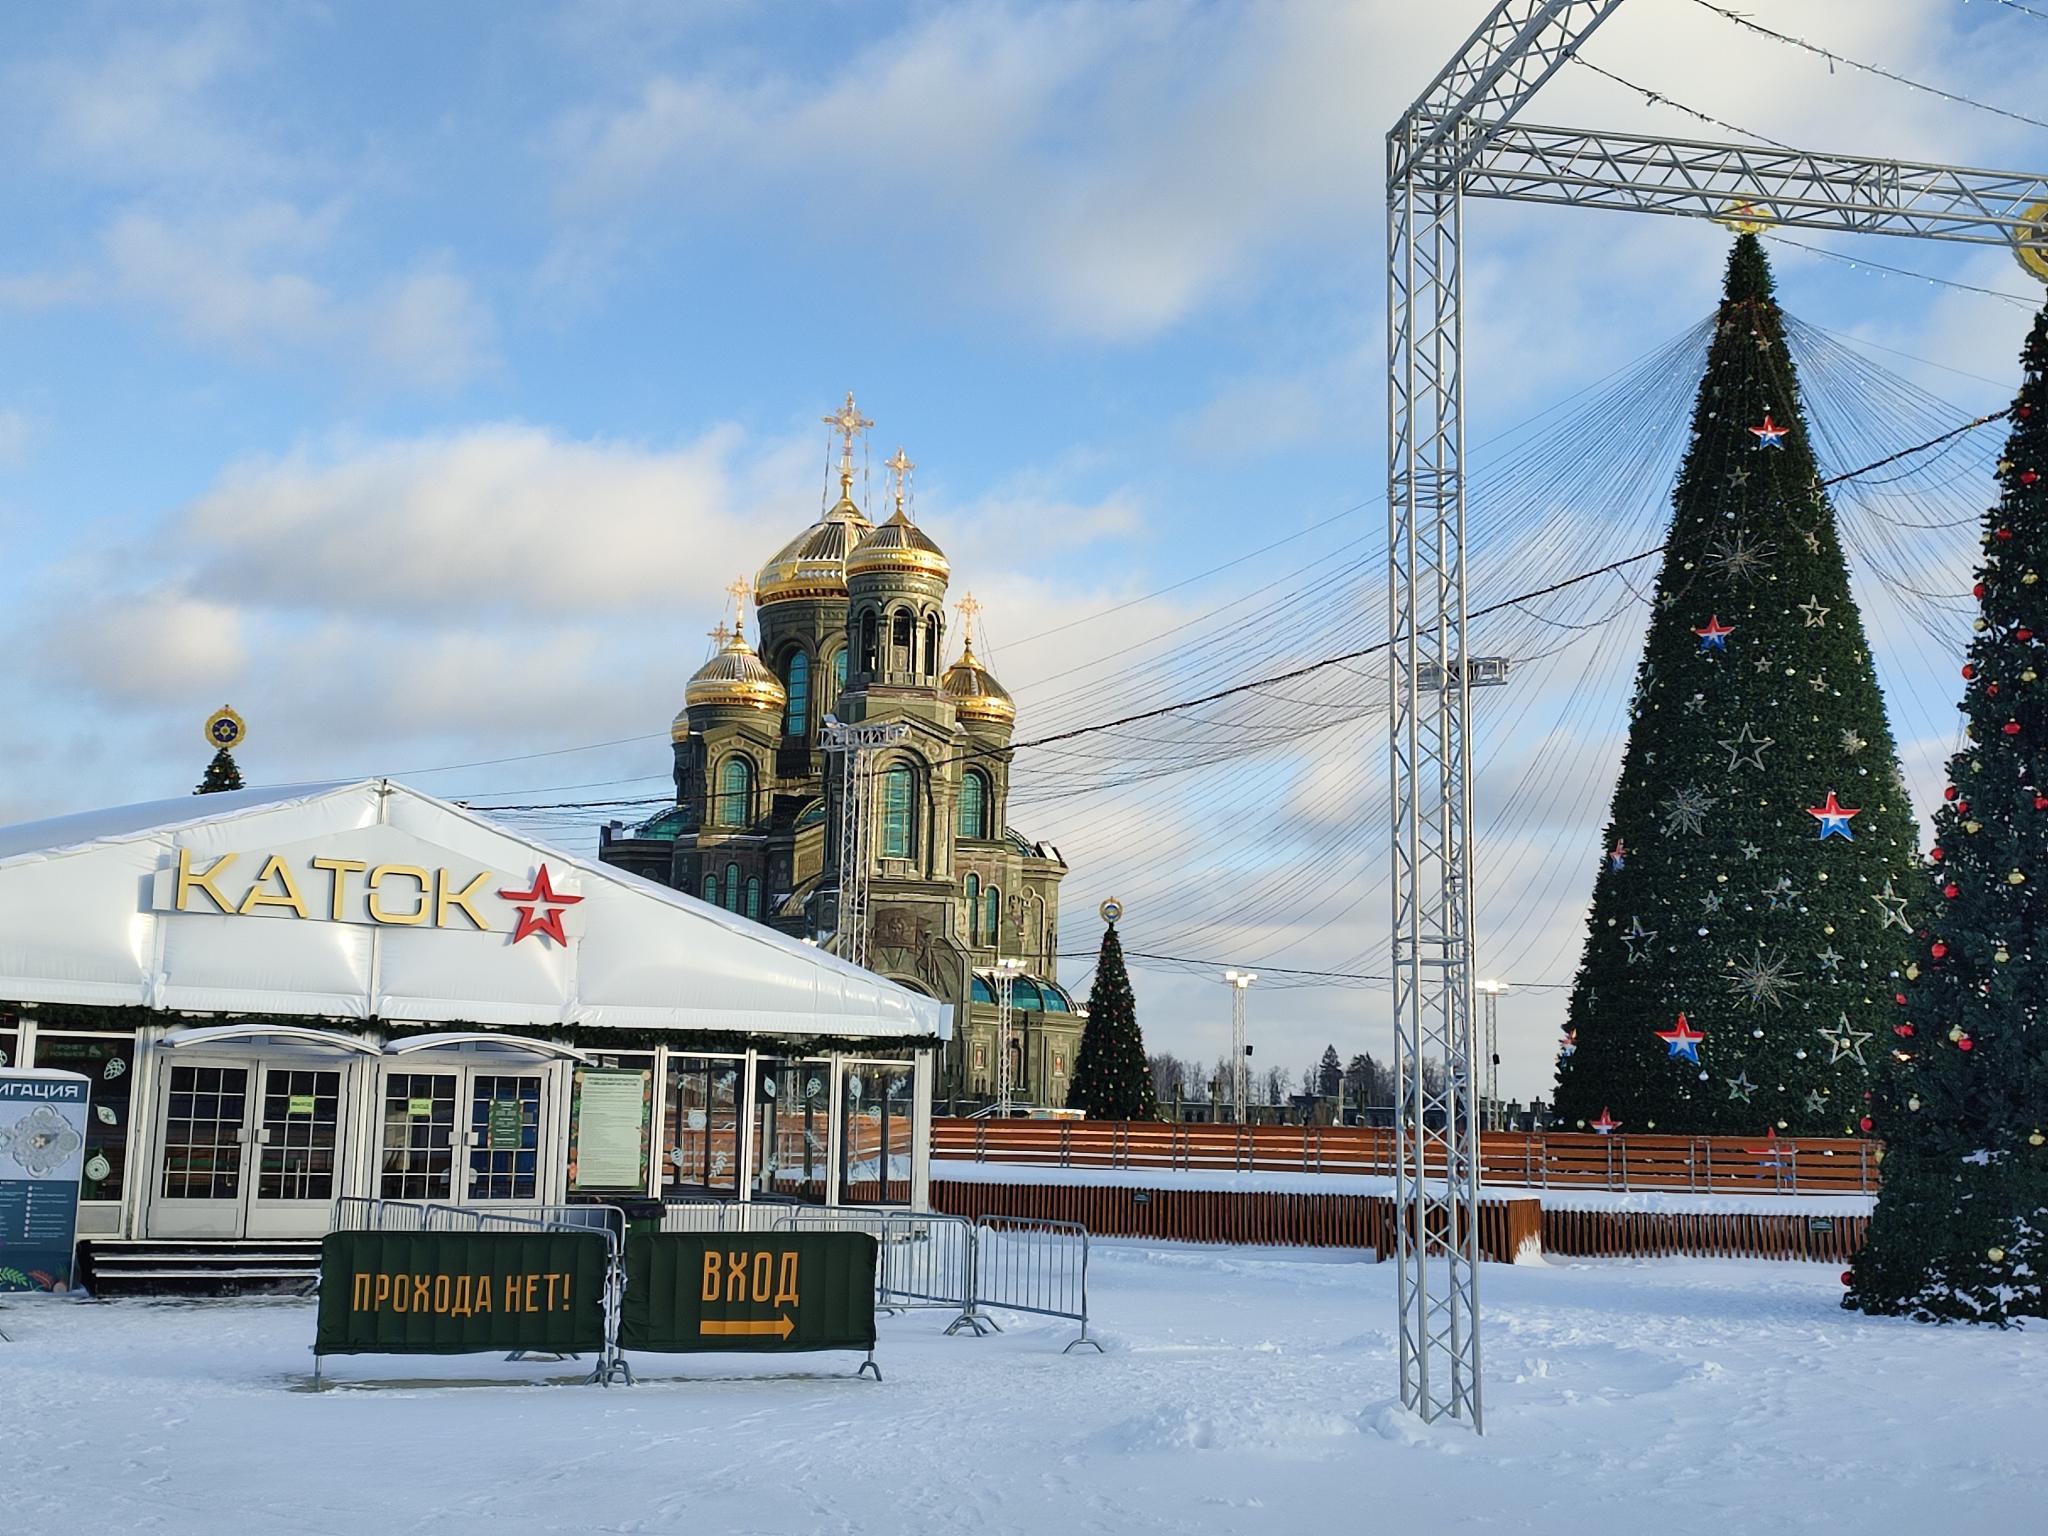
{"x": 850, "y": 618}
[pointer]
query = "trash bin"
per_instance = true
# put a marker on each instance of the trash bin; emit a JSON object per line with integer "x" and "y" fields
{"x": 642, "y": 1214}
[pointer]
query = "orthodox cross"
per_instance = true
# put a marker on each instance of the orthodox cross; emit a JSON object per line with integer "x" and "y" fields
{"x": 967, "y": 607}
{"x": 900, "y": 466}
{"x": 848, "y": 422}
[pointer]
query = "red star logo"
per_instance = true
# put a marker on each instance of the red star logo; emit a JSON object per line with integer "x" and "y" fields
{"x": 1606, "y": 1123}
{"x": 540, "y": 908}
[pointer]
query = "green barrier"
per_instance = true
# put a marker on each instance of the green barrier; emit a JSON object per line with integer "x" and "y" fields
{"x": 455, "y": 1293}
{"x": 689, "y": 1291}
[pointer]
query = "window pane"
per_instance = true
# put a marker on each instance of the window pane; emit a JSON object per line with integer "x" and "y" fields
{"x": 711, "y": 889}
{"x": 896, "y": 797}
{"x": 992, "y": 916}
{"x": 797, "y": 681}
{"x": 838, "y": 669}
{"x": 732, "y": 887}
{"x": 109, "y": 1060}
{"x": 974, "y": 806}
{"x": 974, "y": 909}
{"x": 735, "y": 792}
{"x": 703, "y": 1125}
{"x": 754, "y": 897}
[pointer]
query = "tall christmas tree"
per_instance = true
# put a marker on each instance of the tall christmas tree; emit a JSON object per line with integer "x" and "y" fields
{"x": 1111, "y": 1080}
{"x": 1961, "y": 1229}
{"x": 222, "y": 773}
{"x": 1749, "y": 916}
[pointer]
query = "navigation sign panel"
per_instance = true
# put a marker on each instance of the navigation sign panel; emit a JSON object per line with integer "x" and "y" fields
{"x": 689, "y": 1291}
{"x": 42, "y": 1157}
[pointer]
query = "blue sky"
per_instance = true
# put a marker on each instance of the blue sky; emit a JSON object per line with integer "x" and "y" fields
{"x": 415, "y": 378}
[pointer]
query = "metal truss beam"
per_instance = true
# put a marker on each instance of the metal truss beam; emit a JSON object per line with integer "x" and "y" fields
{"x": 1789, "y": 188}
{"x": 1521, "y": 44}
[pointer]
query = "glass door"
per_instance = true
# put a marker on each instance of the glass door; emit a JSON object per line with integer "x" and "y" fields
{"x": 416, "y": 1157}
{"x": 297, "y": 1151}
{"x": 204, "y": 1113}
{"x": 503, "y": 1137}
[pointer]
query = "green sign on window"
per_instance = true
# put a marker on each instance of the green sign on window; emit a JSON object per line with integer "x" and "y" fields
{"x": 300, "y": 1104}
{"x": 420, "y": 1109}
{"x": 507, "y": 1125}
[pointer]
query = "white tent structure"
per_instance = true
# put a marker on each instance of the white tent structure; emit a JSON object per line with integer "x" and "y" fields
{"x": 290, "y": 996}
{"x": 89, "y": 913}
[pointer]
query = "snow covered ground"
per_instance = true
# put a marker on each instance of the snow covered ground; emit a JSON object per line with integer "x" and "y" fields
{"x": 1244, "y": 1390}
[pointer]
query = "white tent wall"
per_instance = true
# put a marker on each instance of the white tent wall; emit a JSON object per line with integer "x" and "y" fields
{"x": 80, "y": 922}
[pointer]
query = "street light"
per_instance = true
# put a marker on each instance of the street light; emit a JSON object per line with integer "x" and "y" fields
{"x": 1491, "y": 991}
{"x": 1239, "y": 982}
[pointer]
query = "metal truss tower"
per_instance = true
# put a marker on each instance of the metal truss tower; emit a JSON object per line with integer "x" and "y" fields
{"x": 1459, "y": 141}
{"x": 855, "y": 746}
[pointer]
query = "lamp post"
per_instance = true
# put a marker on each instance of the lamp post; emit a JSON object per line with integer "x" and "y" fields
{"x": 1490, "y": 1077}
{"x": 1239, "y": 982}
{"x": 1007, "y": 967}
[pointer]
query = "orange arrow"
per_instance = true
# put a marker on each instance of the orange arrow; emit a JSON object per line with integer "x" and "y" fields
{"x": 781, "y": 1326}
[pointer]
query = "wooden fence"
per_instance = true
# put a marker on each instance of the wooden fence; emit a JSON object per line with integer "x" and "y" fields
{"x": 1568, "y": 1160}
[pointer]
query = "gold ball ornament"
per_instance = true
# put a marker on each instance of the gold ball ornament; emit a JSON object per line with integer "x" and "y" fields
{"x": 1995, "y": 1255}
{"x": 2001, "y": 956}
{"x": 2015, "y": 878}
{"x": 2036, "y": 1139}
{"x": 1912, "y": 1103}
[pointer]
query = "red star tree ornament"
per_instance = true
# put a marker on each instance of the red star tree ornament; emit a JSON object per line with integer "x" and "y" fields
{"x": 1606, "y": 1124}
{"x": 1683, "y": 1040}
{"x": 1770, "y": 434}
{"x": 540, "y": 909}
{"x": 1834, "y": 818}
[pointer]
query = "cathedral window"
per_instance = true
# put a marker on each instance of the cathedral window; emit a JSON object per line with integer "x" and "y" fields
{"x": 974, "y": 909}
{"x": 900, "y": 642}
{"x": 838, "y": 675}
{"x": 896, "y": 806}
{"x": 974, "y": 804}
{"x": 732, "y": 887}
{"x": 867, "y": 642}
{"x": 993, "y": 917}
{"x": 735, "y": 806}
{"x": 711, "y": 887}
{"x": 931, "y": 645}
{"x": 796, "y": 682}
{"x": 754, "y": 897}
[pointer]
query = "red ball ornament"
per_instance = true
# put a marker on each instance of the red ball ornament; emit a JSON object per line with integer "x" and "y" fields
{"x": 1977, "y": 590}
{"x": 1865, "y": 1123}
{"x": 1966, "y": 1044}
{"x": 1848, "y": 1277}
{"x": 2012, "y": 727}
{"x": 2028, "y": 477}
{"x": 1936, "y": 854}
{"x": 1962, "y": 807}
{"x": 1938, "y": 949}
{"x": 2023, "y": 634}
{"x": 1951, "y": 892}
{"x": 1949, "y": 793}
{"x": 1905, "y": 1030}
{"x": 2005, "y": 533}
{"x": 2041, "y": 802}
{"x": 1899, "y": 998}
{"x": 1969, "y": 670}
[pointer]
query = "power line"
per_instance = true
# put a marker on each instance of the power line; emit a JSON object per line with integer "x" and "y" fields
{"x": 1869, "y": 69}
{"x": 1659, "y": 99}
{"x": 2018, "y": 299}
{"x": 2024, "y": 10}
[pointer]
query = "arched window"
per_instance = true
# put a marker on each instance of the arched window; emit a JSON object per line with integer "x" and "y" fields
{"x": 838, "y": 683}
{"x": 974, "y": 804}
{"x": 931, "y": 645}
{"x": 902, "y": 637}
{"x": 898, "y": 796}
{"x": 754, "y": 897}
{"x": 735, "y": 806}
{"x": 974, "y": 909}
{"x": 992, "y": 921}
{"x": 867, "y": 641}
{"x": 732, "y": 887}
{"x": 711, "y": 887}
{"x": 796, "y": 681}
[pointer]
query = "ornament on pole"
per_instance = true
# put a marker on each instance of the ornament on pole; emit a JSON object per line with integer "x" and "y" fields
{"x": 226, "y": 730}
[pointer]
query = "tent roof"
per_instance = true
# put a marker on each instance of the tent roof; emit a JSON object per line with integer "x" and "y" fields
{"x": 84, "y": 919}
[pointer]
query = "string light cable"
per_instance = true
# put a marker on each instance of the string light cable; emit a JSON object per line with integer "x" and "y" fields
{"x": 1880, "y": 72}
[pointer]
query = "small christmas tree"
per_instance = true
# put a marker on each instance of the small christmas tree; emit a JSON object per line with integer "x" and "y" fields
{"x": 222, "y": 773}
{"x": 1111, "y": 1080}
{"x": 1749, "y": 912}
{"x": 1961, "y": 1228}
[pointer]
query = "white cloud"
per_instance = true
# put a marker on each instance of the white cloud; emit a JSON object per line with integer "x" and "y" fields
{"x": 17, "y": 432}
{"x": 143, "y": 647}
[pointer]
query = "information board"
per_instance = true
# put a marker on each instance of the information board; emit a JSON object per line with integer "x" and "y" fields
{"x": 452, "y": 1293}
{"x": 42, "y": 1157}
{"x": 688, "y": 1291}
{"x": 611, "y": 1129}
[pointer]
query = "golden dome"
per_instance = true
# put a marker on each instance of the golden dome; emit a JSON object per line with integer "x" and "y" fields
{"x": 813, "y": 564}
{"x": 899, "y": 545}
{"x": 735, "y": 677}
{"x": 679, "y": 728}
{"x": 975, "y": 693}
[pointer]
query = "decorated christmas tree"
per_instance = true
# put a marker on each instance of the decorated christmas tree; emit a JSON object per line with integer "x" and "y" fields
{"x": 222, "y": 773}
{"x": 1961, "y": 1228}
{"x": 1750, "y": 913}
{"x": 1111, "y": 1080}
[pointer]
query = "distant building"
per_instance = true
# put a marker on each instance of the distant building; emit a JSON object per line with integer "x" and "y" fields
{"x": 852, "y": 623}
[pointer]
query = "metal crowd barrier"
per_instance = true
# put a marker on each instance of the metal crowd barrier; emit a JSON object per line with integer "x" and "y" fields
{"x": 362, "y": 1213}
{"x": 924, "y": 1260}
{"x": 1026, "y": 1265}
